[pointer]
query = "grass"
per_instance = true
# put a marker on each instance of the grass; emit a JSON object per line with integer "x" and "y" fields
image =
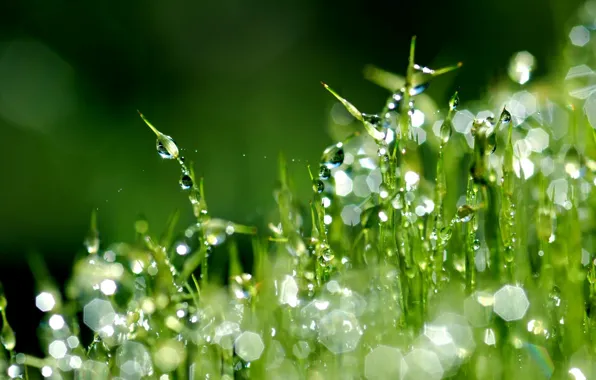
{"x": 456, "y": 246}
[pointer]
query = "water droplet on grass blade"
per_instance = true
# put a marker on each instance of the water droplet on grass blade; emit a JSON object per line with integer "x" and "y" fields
{"x": 491, "y": 143}
{"x": 324, "y": 172}
{"x": 454, "y": 101}
{"x": 465, "y": 213}
{"x": 185, "y": 182}
{"x": 573, "y": 163}
{"x": 333, "y": 156}
{"x": 445, "y": 233}
{"x": 318, "y": 186}
{"x": 445, "y": 132}
{"x": 165, "y": 145}
{"x": 505, "y": 117}
{"x": 7, "y": 337}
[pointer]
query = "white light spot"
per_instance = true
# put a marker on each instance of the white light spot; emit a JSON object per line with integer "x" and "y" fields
{"x": 57, "y": 349}
{"x": 56, "y": 322}
{"x": 108, "y": 287}
{"x": 411, "y": 178}
{"x": 182, "y": 249}
{"x": 45, "y": 301}
{"x": 521, "y": 66}
{"x": 46, "y": 371}
{"x": 417, "y": 118}
{"x": 343, "y": 183}
{"x": 577, "y": 374}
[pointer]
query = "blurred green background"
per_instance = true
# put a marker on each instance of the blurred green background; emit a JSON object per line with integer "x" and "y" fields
{"x": 234, "y": 82}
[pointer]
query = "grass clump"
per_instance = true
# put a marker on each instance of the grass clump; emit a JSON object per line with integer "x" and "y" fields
{"x": 434, "y": 247}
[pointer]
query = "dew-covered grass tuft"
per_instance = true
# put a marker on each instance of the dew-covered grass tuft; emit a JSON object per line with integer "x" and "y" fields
{"x": 441, "y": 241}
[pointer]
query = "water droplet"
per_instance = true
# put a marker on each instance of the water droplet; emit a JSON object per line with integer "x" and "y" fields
{"x": 185, "y": 182}
{"x": 7, "y": 337}
{"x": 476, "y": 244}
{"x": 465, "y": 213}
{"x": 573, "y": 163}
{"x": 419, "y": 89}
{"x": 445, "y": 233}
{"x": 372, "y": 119}
{"x": 394, "y": 102}
{"x": 454, "y": 102}
{"x": 324, "y": 172}
{"x": 445, "y": 132}
{"x": 327, "y": 255}
{"x": 491, "y": 143}
{"x": 505, "y": 117}
{"x": 166, "y": 147}
{"x": 333, "y": 156}
{"x": 318, "y": 186}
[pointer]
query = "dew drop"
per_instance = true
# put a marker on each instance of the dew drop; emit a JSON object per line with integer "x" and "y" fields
{"x": 394, "y": 102}
{"x": 476, "y": 245}
{"x": 372, "y": 119}
{"x": 7, "y": 337}
{"x": 185, "y": 182}
{"x": 419, "y": 89}
{"x": 333, "y": 156}
{"x": 318, "y": 186}
{"x": 465, "y": 213}
{"x": 505, "y": 116}
{"x": 327, "y": 255}
{"x": 445, "y": 233}
{"x": 324, "y": 172}
{"x": 491, "y": 143}
{"x": 445, "y": 132}
{"x": 454, "y": 102}
{"x": 573, "y": 163}
{"x": 166, "y": 147}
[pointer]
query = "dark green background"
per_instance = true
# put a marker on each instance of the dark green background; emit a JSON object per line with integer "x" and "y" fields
{"x": 231, "y": 81}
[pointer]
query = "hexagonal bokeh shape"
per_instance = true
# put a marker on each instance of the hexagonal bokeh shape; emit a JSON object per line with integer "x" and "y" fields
{"x": 350, "y": 214}
{"x": 45, "y": 301}
{"x": 478, "y": 308}
{"x": 98, "y": 314}
{"x": 249, "y": 346}
{"x": 92, "y": 369}
{"x": 462, "y": 121}
{"x": 460, "y": 332}
{"x": 301, "y": 349}
{"x": 590, "y": 109}
{"x": 538, "y": 139}
{"x": 384, "y": 362}
{"x": 339, "y": 331}
{"x": 134, "y": 360}
{"x": 511, "y": 303}
{"x": 423, "y": 364}
{"x": 226, "y": 333}
{"x": 579, "y": 35}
